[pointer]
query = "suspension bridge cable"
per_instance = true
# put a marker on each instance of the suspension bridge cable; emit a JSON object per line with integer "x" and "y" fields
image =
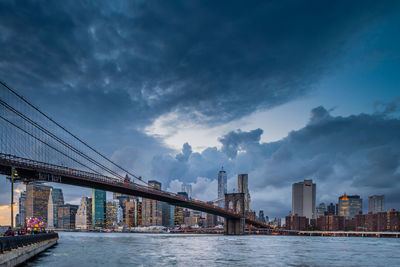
{"x": 74, "y": 136}
{"x": 31, "y": 135}
{"x": 101, "y": 166}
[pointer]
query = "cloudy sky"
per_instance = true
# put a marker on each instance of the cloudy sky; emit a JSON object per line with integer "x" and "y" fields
{"x": 173, "y": 90}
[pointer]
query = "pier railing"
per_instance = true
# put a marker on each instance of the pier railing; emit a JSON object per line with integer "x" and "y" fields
{"x": 8, "y": 243}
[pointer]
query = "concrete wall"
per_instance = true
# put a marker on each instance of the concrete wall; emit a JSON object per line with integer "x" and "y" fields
{"x": 20, "y": 255}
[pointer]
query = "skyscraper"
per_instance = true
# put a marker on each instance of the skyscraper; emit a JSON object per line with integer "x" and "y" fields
{"x": 320, "y": 210}
{"x": 56, "y": 199}
{"x": 331, "y": 209}
{"x": 37, "y": 199}
{"x": 167, "y": 211}
{"x": 66, "y": 216}
{"x": 303, "y": 199}
{"x": 152, "y": 209}
{"x": 376, "y": 204}
{"x": 349, "y": 206}
{"x": 21, "y": 209}
{"x": 178, "y": 211}
{"x": 83, "y": 218}
{"x": 98, "y": 208}
{"x": 188, "y": 189}
{"x": 243, "y": 187}
{"x": 111, "y": 217}
{"x": 261, "y": 216}
{"x": 222, "y": 187}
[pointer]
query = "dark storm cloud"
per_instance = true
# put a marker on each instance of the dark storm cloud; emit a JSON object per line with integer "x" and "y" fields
{"x": 359, "y": 154}
{"x": 127, "y": 62}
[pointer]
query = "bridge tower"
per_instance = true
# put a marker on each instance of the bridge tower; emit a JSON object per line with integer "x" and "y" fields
{"x": 235, "y": 202}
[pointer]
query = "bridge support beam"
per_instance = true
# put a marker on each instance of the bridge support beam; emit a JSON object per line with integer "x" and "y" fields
{"x": 235, "y": 202}
{"x": 234, "y": 226}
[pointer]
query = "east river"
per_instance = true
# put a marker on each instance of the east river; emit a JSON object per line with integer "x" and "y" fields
{"x": 120, "y": 249}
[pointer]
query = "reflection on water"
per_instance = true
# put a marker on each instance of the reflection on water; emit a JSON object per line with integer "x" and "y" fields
{"x": 119, "y": 249}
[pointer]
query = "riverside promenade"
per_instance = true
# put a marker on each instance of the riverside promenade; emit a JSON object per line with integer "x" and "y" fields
{"x": 15, "y": 250}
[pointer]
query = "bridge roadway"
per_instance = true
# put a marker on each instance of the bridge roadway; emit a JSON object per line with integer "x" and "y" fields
{"x": 30, "y": 170}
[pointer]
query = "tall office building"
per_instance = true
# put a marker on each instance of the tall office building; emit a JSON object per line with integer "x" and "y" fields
{"x": 349, "y": 206}
{"x": 243, "y": 187}
{"x": 167, "y": 211}
{"x": 21, "y": 209}
{"x": 37, "y": 199}
{"x": 83, "y": 220}
{"x": 376, "y": 204}
{"x": 66, "y": 215}
{"x": 178, "y": 211}
{"x": 152, "y": 209}
{"x": 331, "y": 209}
{"x": 130, "y": 213}
{"x": 56, "y": 199}
{"x": 303, "y": 199}
{"x": 320, "y": 210}
{"x": 222, "y": 187}
{"x": 188, "y": 189}
{"x": 111, "y": 216}
{"x": 98, "y": 208}
{"x": 261, "y": 216}
{"x": 133, "y": 213}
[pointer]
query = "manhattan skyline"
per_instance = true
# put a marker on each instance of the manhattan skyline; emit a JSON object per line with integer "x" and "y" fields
{"x": 312, "y": 94}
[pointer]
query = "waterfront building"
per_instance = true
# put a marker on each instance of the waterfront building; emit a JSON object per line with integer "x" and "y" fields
{"x": 83, "y": 219}
{"x": 66, "y": 216}
{"x": 303, "y": 199}
{"x": 21, "y": 209}
{"x": 243, "y": 187}
{"x": 378, "y": 222}
{"x": 331, "y": 209}
{"x": 350, "y": 206}
{"x": 37, "y": 199}
{"x": 152, "y": 209}
{"x": 222, "y": 187}
{"x": 56, "y": 199}
{"x": 376, "y": 204}
{"x": 98, "y": 208}
{"x": 330, "y": 223}
{"x": 111, "y": 215}
{"x": 295, "y": 222}
{"x": 188, "y": 189}
{"x": 320, "y": 210}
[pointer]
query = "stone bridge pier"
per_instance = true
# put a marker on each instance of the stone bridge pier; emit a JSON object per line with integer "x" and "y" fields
{"x": 235, "y": 202}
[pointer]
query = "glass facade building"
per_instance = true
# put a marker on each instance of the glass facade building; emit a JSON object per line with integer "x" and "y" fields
{"x": 21, "y": 209}
{"x": 66, "y": 216}
{"x": 98, "y": 208}
{"x": 349, "y": 206}
{"x": 376, "y": 204}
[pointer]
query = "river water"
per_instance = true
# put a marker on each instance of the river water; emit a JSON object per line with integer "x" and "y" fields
{"x": 122, "y": 249}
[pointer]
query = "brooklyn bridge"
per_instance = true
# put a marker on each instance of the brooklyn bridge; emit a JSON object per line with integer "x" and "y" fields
{"x": 34, "y": 147}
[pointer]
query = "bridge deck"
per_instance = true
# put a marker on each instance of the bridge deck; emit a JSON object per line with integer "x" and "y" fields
{"x": 30, "y": 170}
